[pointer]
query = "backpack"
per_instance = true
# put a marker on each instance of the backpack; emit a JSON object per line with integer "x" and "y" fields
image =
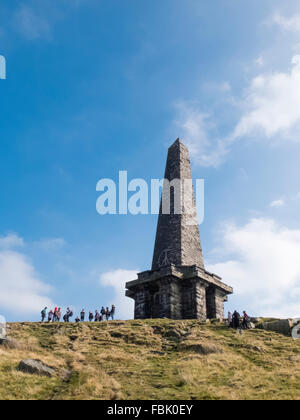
{"x": 70, "y": 314}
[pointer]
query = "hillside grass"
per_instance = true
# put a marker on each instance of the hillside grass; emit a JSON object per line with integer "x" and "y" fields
{"x": 151, "y": 359}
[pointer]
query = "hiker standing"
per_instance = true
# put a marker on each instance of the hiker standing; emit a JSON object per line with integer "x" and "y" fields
{"x": 50, "y": 316}
{"x": 112, "y": 311}
{"x": 246, "y": 321}
{"x": 107, "y": 313}
{"x": 91, "y": 316}
{"x": 58, "y": 314}
{"x": 77, "y": 320}
{"x": 69, "y": 314}
{"x": 44, "y": 313}
{"x": 97, "y": 316}
{"x": 102, "y": 312}
{"x": 236, "y": 320}
{"x": 82, "y": 315}
{"x": 55, "y": 314}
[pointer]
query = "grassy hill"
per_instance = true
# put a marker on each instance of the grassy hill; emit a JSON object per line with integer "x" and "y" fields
{"x": 151, "y": 359}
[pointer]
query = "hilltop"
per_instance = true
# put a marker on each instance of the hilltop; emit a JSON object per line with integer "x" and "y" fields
{"x": 150, "y": 359}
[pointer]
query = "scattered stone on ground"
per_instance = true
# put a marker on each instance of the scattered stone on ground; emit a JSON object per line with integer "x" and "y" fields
{"x": 36, "y": 367}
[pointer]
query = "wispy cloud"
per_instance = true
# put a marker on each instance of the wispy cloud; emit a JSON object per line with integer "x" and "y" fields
{"x": 262, "y": 264}
{"x": 34, "y": 20}
{"x": 198, "y": 131}
{"x": 11, "y": 240}
{"x": 51, "y": 244}
{"x": 287, "y": 23}
{"x": 270, "y": 107}
{"x": 116, "y": 279}
{"x": 30, "y": 24}
{"x": 277, "y": 203}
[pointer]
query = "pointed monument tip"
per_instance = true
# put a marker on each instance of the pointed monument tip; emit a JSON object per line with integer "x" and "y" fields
{"x": 177, "y": 141}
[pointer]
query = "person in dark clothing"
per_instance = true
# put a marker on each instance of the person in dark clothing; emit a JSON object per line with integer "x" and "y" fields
{"x": 82, "y": 315}
{"x": 102, "y": 312}
{"x": 97, "y": 316}
{"x": 236, "y": 320}
{"x": 44, "y": 314}
{"x": 50, "y": 316}
{"x": 107, "y": 314}
{"x": 77, "y": 320}
{"x": 112, "y": 312}
{"x": 69, "y": 314}
{"x": 91, "y": 316}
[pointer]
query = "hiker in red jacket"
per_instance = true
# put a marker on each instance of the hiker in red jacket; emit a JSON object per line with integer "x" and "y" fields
{"x": 246, "y": 321}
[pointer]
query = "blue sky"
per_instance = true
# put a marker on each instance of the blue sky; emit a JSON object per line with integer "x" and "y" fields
{"x": 94, "y": 87}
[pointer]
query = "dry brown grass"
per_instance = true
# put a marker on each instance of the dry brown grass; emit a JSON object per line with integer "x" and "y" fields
{"x": 151, "y": 359}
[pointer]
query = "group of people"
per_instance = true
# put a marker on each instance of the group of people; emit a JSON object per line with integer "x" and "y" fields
{"x": 55, "y": 315}
{"x": 237, "y": 321}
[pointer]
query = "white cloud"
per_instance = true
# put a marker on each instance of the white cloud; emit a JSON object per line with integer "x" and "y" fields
{"x": 197, "y": 130}
{"x": 272, "y": 104}
{"x": 262, "y": 264}
{"x": 21, "y": 290}
{"x": 117, "y": 279}
{"x": 291, "y": 23}
{"x": 10, "y": 241}
{"x": 277, "y": 203}
{"x": 270, "y": 107}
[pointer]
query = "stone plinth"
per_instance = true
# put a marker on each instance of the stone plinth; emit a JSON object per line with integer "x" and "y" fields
{"x": 185, "y": 292}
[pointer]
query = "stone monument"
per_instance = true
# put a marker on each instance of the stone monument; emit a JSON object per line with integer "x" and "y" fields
{"x": 178, "y": 286}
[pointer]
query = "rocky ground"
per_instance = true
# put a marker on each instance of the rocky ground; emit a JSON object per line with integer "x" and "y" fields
{"x": 151, "y": 359}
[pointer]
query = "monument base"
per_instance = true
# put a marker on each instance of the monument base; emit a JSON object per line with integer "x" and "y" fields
{"x": 178, "y": 292}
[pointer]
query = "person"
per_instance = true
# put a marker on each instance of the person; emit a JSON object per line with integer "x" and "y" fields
{"x": 112, "y": 311}
{"x": 236, "y": 320}
{"x": 44, "y": 313}
{"x": 69, "y": 314}
{"x": 107, "y": 314}
{"x": 65, "y": 318}
{"x": 82, "y": 315}
{"x": 77, "y": 320}
{"x": 97, "y": 316}
{"x": 246, "y": 321}
{"x": 55, "y": 314}
{"x": 91, "y": 316}
{"x": 50, "y": 316}
{"x": 102, "y": 312}
{"x": 58, "y": 315}
{"x": 229, "y": 319}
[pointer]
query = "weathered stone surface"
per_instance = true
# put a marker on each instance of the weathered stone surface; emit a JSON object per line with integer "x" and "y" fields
{"x": 177, "y": 239}
{"x": 281, "y": 326}
{"x": 10, "y": 343}
{"x": 65, "y": 375}
{"x": 178, "y": 286}
{"x": 36, "y": 367}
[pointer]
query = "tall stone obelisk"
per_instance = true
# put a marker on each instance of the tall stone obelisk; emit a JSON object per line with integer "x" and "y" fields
{"x": 178, "y": 286}
{"x": 177, "y": 237}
